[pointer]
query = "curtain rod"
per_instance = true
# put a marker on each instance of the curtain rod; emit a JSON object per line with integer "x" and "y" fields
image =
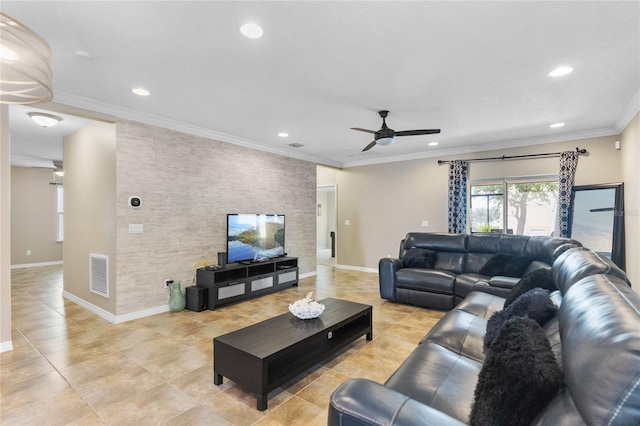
{"x": 516, "y": 157}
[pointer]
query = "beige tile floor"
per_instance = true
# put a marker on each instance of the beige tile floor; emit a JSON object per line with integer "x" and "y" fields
{"x": 71, "y": 367}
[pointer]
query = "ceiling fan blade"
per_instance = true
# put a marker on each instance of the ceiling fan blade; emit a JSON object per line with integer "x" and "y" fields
{"x": 417, "y": 132}
{"x": 368, "y": 147}
{"x": 363, "y": 130}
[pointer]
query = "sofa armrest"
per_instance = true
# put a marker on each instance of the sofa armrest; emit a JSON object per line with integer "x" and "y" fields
{"x": 503, "y": 282}
{"x": 364, "y": 402}
{"x": 387, "y": 268}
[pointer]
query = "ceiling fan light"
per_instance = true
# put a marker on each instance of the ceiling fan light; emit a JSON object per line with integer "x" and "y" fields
{"x": 386, "y": 141}
{"x": 45, "y": 120}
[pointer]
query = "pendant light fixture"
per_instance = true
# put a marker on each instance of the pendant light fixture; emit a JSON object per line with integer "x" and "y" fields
{"x": 25, "y": 59}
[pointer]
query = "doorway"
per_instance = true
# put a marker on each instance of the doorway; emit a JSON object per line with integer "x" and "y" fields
{"x": 326, "y": 225}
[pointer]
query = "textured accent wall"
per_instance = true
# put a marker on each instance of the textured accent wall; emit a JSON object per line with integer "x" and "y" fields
{"x": 188, "y": 184}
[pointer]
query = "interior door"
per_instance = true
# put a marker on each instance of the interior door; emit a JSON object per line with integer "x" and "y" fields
{"x": 597, "y": 220}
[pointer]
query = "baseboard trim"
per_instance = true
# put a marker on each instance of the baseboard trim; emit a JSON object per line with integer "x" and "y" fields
{"x": 35, "y": 265}
{"x": 357, "y": 268}
{"x": 308, "y": 274}
{"x": 108, "y": 316}
{"x": 6, "y": 346}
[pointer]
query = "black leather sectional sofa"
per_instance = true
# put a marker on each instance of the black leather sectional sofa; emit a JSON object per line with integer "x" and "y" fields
{"x": 594, "y": 337}
{"x": 461, "y": 263}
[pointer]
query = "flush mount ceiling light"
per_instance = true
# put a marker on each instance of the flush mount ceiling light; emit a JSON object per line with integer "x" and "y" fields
{"x": 556, "y": 125}
{"x": 560, "y": 71}
{"x": 433, "y": 143}
{"x": 25, "y": 58}
{"x": 44, "y": 120}
{"x": 283, "y": 134}
{"x": 251, "y": 30}
{"x": 140, "y": 91}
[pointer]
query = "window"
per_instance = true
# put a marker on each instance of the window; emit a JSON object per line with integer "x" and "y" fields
{"x": 60, "y": 210}
{"x": 526, "y": 206}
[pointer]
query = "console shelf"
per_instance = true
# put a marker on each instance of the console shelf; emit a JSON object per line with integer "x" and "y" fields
{"x": 240, "y": 281}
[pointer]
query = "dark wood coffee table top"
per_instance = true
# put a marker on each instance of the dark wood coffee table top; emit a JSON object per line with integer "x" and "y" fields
{"x": 263, "y": 356}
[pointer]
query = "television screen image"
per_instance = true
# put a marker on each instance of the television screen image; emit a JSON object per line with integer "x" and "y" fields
{"x": 254, "y": 236}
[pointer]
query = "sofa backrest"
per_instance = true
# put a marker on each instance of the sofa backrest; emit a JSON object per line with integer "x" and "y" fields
{"x": 468, "y": 253}
{"x": 451, "y": 248}
{"x": 580, "y": 262}
{"x": 600, "y": 333}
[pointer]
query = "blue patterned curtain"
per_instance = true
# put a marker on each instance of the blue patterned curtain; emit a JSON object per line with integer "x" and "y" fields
{"x": 568, "y": 164}
{"x": 458, "y": 196}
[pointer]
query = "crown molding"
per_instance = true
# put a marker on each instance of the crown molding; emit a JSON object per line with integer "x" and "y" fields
{"x": 167, "y": 123}
{"x": 516, "y": 143}
{"x": 632, "y": 108}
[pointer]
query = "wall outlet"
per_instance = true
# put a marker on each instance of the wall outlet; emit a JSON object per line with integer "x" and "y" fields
{"x": 167, "y": 283}
{"x": 28, "y": 252}
{"x": 425, "y": 223}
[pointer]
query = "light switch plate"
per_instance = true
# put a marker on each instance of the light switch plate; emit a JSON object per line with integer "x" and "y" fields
{"x": 136, "y": 228}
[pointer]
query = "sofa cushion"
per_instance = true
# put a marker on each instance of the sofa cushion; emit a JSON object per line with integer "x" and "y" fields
{"x": 506, "y": 264}
{"x": 438, "y": 377}
{"x": 481, "y": 304}
{"x": 460, "y": 332}
{"x": 432, "y": 280}
{"x": 535, "y": 304}
{"x": 540, "y": 278}
{"x": 419, "y": 258}
{"x": 465, "y": 282}
{"x": 519, "y": 376}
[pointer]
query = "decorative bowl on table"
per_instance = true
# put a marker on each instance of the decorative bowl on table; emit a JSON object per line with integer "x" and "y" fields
{"x": 306, "y": 308}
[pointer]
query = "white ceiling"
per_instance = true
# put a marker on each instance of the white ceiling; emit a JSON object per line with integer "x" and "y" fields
{"x": 477, "y": 70}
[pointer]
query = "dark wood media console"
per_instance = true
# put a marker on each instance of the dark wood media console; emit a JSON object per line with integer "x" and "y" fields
{"x": 240, "y": 281}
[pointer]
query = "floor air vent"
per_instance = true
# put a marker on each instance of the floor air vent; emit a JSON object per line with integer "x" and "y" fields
{"x": 99, "y": 274}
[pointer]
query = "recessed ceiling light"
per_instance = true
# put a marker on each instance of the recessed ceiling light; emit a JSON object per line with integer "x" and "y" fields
{"x": 83, "y": 54}
{"x": 560, "y": 71}
{"x": 556, "y": 125}
{"x": 44, "y": 120}
{"x": 433, "y": 143}
{"x": 283, "y": 134}
{"x": 140, "y": 91}
{"x": 251, "y": 30}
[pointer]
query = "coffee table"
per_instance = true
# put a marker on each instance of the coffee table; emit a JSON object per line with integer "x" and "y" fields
{"x": 263, "y": 356}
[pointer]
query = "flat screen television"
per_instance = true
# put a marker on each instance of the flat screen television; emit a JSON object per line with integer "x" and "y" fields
{"x": 254, "y": 237}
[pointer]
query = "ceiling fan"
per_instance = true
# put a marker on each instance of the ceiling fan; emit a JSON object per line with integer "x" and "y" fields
{"x": 386, "y": 136}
